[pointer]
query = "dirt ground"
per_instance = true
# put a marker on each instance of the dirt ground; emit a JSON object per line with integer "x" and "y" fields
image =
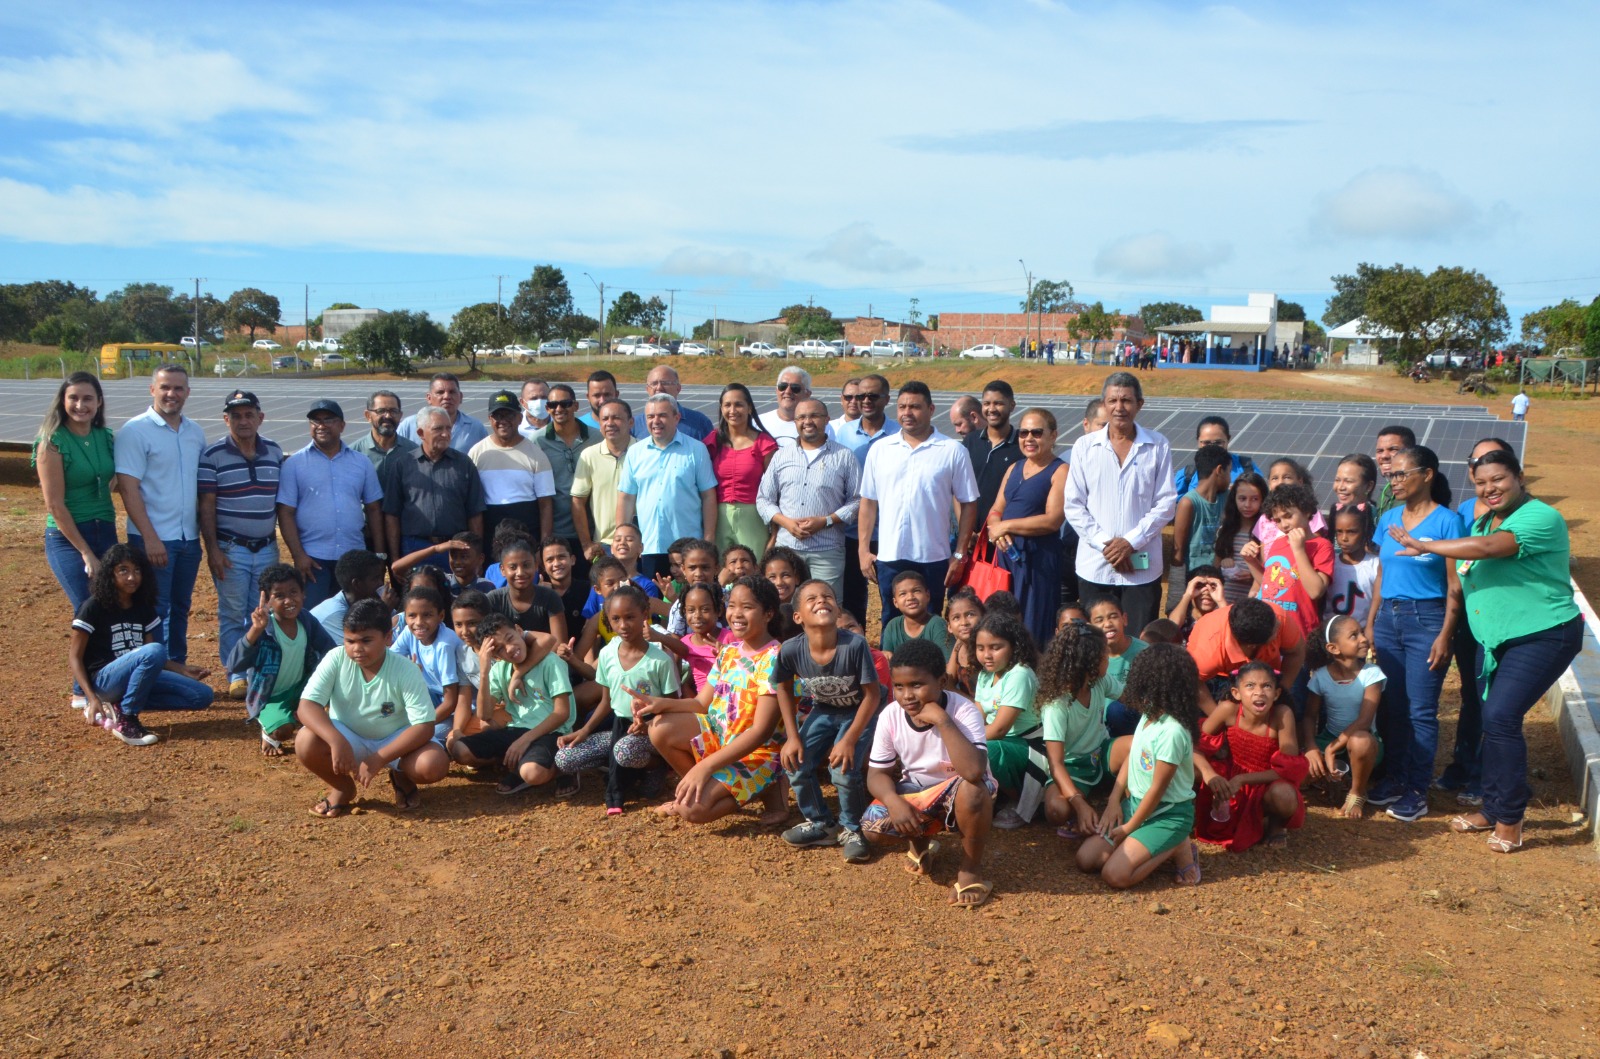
{"x": 179, "y": 900}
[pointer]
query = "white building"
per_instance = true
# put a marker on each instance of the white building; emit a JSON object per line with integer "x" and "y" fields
{"x": 336, "y": 323}
{"x": 1234, "y": 335}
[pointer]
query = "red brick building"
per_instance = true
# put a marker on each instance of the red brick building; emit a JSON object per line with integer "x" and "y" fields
{"x": 863, "y": 330}
{"x": 958, "y": 331}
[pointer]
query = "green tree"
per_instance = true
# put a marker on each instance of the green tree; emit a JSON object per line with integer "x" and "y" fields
{"x": 1591, "y": 336}
{"x": 396, "y": 341}
{"x": 630, "y": 310}
{"x": 542, "y": 303}
{"x": 914, "y": 314}
{"x": 701, "y": 331}
{"x": 1315, "y": 335}
{"x": 810, "y": 321}
{"x": 1450, "y": 306}
{"x": 213, "y": 315}
{"x": 83, "y": 325}
{"x": 1162, "y": 314}
{"x": 252, "y": 310}
{"x": 1291, "y": 312}
{"x": 1094, "y": 323}
{"x": 474, "y": 327}
{"x": 1556, "y": 326}
{"x": 933, "y": 322}
{"x": 1349, "y": 300}
{"x": 1398, "y": 299}
{"x": 1052, "y": 296}
{"x": 339, "y": 305}
{"x": 23, "y": 306}
{"x": 152, "y": 312}
{"x": 577, "y": 325}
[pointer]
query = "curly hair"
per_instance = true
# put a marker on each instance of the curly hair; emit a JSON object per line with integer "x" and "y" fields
{"x": 797, "y": 565}
{"x": 712, "y": 590}
{"x": 1008, "y": 627}
{"x": 766, "y": 597}
{"x": 1071, "y": 661}
{"x": 103, "y": 586}
{"x": 1317, "y": 642}
{"x": 1291, "y": 496}
{"x": 1163, "y": 681}
{"x": 1003, "y": 602}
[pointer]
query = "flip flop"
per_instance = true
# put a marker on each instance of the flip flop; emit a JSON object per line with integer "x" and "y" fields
{"x": 984, "y": 889}
{"x": 1190, "y": 874}
{"x": 1070, "y": 832}
{"x": 407, "y": 798}
{"x": 919, "y": 861}
{"x": 326, "y": 810}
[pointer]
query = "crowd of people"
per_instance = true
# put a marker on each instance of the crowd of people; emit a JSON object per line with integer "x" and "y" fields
{"x": 649, "y": 594}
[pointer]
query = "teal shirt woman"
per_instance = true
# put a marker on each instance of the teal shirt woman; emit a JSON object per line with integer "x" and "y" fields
{"x": 74, "y": 457}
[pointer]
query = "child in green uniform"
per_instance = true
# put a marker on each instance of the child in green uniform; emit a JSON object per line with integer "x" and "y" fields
{"x": 521, "y": 733}
{"x": 1151, "y": 811}
{"x": 910, "y": 594}
{"x": 1074, "y": 690}
{"x": 366, "y": 710}
{"x": 277, "y": 653}
{"x": 1107, "y": 616}
{"x": 1006, "y": 689}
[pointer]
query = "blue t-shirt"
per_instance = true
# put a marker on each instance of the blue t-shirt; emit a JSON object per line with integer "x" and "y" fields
{"x": 438, "y": 659}
{"x": 1416, "y": 576}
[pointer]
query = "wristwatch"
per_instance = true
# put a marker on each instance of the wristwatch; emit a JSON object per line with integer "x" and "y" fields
{"x": 959, "y": 557}
{"x": 384, "y": 556}
{"x": 827, "y": 523}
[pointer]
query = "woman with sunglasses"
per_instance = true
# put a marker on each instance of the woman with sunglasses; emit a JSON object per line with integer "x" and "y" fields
{"x": 1515, "y": 571}
{"x": 1416, "y": 603}
{"x": 740, "y": 450}
{"x": 1025, "y": 522}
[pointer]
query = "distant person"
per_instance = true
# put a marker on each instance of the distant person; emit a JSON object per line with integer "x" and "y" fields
{"x": 966, "y": 416}
{"x": 663, "y": 378}
{"x": 444, "y": 392}
{"x": 1519, "y": 406}
{"x": 383, "y": 436}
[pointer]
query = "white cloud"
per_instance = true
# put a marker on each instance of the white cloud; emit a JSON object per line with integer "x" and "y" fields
{"x": 1395, "y": 203}
{"x": 731, "y": 264}
{"x": 857, "y": 247}
{"x": 1159, "y": 256}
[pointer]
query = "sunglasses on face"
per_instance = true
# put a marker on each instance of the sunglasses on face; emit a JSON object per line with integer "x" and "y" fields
{"x": 560, "y": 404}
{"x": 850, "y": 397}
{"x": 798, "y": 387}
{"x": 870, "y": 396}
{"x": 1400, "y": 476}
{"x": 1030, "y": 432}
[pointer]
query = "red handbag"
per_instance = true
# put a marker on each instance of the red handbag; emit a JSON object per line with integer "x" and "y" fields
{"x": 984, "y": 575}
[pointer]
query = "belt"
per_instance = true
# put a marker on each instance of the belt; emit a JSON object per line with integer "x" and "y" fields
{"x": 254, "y": 544}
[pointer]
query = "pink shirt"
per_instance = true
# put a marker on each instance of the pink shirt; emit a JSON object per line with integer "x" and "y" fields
{"x": 738, "y": 471}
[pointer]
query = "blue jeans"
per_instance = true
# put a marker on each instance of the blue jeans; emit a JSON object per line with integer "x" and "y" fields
{"x": 819, "y": 731}
{"x": 322, "y": 585}
{"x": 175, "y": 592}
{"x": 1466, "y": 764}
{"x": 933, "y": 573}
{"x": 1121, "y": 720}
{"x": 67, "y": 564}
{"x": 1528, "y": 666}
{"x": 1403, "y": 635}
{"x": 140, "y": 680}
{"x": 238, "y": 592}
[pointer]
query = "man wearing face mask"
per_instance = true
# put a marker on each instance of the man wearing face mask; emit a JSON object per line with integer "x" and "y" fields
{"x": 383, "y": 415}
{"x": 535, "y": 408}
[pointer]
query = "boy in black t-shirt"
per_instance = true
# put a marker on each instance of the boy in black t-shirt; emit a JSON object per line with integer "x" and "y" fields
{"x": 828, "y": 695}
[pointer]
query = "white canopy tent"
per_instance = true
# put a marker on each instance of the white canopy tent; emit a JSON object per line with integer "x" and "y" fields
{"x": 1363, "y": 347}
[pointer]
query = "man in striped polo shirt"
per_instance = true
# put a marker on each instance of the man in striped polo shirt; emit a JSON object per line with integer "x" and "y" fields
{"x": 238, "y": 486}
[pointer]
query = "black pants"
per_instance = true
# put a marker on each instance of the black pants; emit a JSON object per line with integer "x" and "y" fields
{"x": 855, "y": 586}
{"x": 1141, "y": 603}
{"x": 1069, "y": 565}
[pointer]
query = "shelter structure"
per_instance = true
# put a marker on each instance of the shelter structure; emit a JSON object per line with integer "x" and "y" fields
{"x": 1241, "y": 337}
{"x": 1363, "y": 337}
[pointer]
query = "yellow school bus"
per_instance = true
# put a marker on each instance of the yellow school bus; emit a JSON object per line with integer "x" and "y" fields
{"x": 112, "y": 354}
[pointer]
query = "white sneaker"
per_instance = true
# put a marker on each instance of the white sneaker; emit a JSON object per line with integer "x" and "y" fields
{"x": 80, "y": 703}
{"x": 1008, "y": 819}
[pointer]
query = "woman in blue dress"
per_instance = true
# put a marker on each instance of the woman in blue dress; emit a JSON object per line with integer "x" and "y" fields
{"x": 1025, "y": 523}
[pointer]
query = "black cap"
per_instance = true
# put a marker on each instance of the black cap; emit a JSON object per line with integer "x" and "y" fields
{"x": 505, "y": 400}
{"x": 241, "y": 399}
{"x": 331, "y": 407}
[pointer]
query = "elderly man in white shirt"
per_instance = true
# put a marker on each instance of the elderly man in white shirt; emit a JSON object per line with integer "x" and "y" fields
{"x": 909, "y": 484}
{"x": 1119, "y": 497}
{"x": 793, "y": 386}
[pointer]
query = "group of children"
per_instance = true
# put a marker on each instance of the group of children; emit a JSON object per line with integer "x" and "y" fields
{"x": 744, "y": 678}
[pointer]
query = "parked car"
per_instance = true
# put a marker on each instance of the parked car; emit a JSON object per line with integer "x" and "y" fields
{"x": 517, "y": 351}
{"x": 331, "y": 345}
{"x": 305, "y": 345}
{"x": 290, "y": 363}
{"x": 885, "y": 347}
{"x": 558, "y": 348}
{"x": 812, "y": 347}
{"x": 264, "y": 343}
{"x": 587, "y": 345}
{"x": 487, "y": 351}
{"x": 625, "y": 346}
{"x": 841, "y": 348}
{"x": 1450, "y": 358}
{"x": 648, "y": 349}
{"x": 696, "y": 349}
{"x": 331, "y": 360}
{"x": 986, "y": 351}
{"x": 231, "y": 366}
{"x": 189, "y": 341}
{"x": 761, "y": 349}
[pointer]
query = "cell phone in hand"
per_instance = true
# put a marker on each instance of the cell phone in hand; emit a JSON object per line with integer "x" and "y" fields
{"x": 1140, "y": 560}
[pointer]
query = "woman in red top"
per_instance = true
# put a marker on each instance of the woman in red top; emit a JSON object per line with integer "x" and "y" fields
{"x": 740, "y": 451}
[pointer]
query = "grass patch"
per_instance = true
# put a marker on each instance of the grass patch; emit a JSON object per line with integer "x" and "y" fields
{"x": 239, "y": 825}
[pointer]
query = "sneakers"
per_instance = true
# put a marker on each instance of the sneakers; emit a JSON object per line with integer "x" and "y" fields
{"x": 1410, "y": 807}
{"x": 79, "y": 703}
{"x": 1471, "y": 794}
{"x": 856, "y": 849}
{"x": 1008, "y": 819}
{"x": 237, "y": 688}
{"x": 807, "y": 833}
{"x": 1385, "y": 793}
{"x": 128, "y": 729}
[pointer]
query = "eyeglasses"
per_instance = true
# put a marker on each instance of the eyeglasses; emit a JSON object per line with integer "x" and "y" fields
{"x": 1030, "y": 432}
{"x": 849, "y": 397}
{"x": 561, "y": 404}
{"x": 798, "y": 387}
{"x": 868, "y": 395}
{"x": 1400, "y": 476}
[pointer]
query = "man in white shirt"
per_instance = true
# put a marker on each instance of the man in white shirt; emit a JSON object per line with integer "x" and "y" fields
{"x": 908, "y": 486}
{"x": 1119, "y": 497}
{"x": 517, "y": 481}
{"x": 794, "y": 386}
{"x": 1519, "y": 406}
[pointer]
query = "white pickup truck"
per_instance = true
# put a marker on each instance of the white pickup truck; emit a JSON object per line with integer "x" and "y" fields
{"x": 885, "y": 347}
{"x": 760, "y": 349}
{"x": 812, "y": 347}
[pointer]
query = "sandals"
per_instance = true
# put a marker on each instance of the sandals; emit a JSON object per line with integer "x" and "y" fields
{"x": 512, "y": 783}
{"x": 567, "y": 785}
{"x": 919, "y": 861}
{"x": 1190, "y": 874}
{"x": 960, "y": 897}
{"x": 1070, "y": 832}
{"x": 1505, "y": 845}
{"x": 406, "y": 795}
{"x": 327, "y": 810}
{"x": 1355, "y": 806}
{"x": 1463, "y": 826}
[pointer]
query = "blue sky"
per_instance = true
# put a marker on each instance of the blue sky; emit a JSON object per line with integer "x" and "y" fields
{"x": 752, "y": 154}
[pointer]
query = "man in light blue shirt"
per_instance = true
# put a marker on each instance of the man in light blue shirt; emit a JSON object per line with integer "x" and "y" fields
{"x": 338, "y": 489}
{"x": 158, "y": 474}
{"x": 445, "y": 392}
{"x": 859, "y": 435}
{"x": 669, "y": 482}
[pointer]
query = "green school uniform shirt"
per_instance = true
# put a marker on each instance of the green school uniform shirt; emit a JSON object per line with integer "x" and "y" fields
{"x": 394, "y": 699}
{"x": 1164, "y": 740}
{"x": 292, "y": 664}
{"x": 539, "y": 690}
{"x": 1117, "y": 665}
{"x": 894, "y": 634}
{"x": 1016, "y": 687}
{"x": 1524, "y": 593}
{"x": 654, "y": 674}
{"x": 1081, "y": 730}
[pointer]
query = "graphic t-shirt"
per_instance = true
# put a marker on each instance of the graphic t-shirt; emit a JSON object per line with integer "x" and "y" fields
{"x": 1280, "y": 580}
{"x": 394, "y": 699}
{"x": 1017, "y": 687}
{"x": 1350, "y": 591}
{"x": 113, "y": 633}
{"x": 438, "y": 659}
{"x": 1081, "y": 730}
{"x": 921, "y": 752}
{"x": 838, "y": 685}
{"x": 1341, "y": 703}
{"x": 539, "y": 690}
{"x": 1164, "y": 740}
{"x": 654, "y": 674}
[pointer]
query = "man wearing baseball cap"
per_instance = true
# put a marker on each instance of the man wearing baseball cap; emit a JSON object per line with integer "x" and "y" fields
{"x": 517, "y": 480}
{"x": 237, "y": 505}
{"x": 338, "y": 488}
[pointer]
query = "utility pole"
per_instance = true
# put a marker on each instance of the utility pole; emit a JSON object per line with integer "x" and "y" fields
{"x": 307, "y": 338}
{"x": 601, "y": 287}
{"x": 1027, "y": 306}
{"x": 714, "y": 322}
{"x": 499, "y": 310}
{"x": 672, "y": 307}
{"x": 200, "y": 360}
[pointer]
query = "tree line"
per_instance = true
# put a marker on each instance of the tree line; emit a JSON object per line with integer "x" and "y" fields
{"x": 57, "y": 313}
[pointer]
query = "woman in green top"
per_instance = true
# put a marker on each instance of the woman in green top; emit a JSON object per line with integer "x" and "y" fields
{"x": 76, "y": 469}
{"x": 1514, "y": 571}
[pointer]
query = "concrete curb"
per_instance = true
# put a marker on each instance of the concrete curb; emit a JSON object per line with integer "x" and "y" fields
{"x": 1574, "y": 702}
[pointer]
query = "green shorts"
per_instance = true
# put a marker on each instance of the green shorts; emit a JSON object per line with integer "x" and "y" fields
{"x": 279, "y": 710}
{"x": 1088, "y": 771}
{"x": 1324, "y": 738}
{"x": 1166, "y": 827}
{"x": 1008, "y": 761}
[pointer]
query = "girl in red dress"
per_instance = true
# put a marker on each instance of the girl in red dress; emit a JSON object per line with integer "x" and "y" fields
{"x": 1251, "y": 767}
